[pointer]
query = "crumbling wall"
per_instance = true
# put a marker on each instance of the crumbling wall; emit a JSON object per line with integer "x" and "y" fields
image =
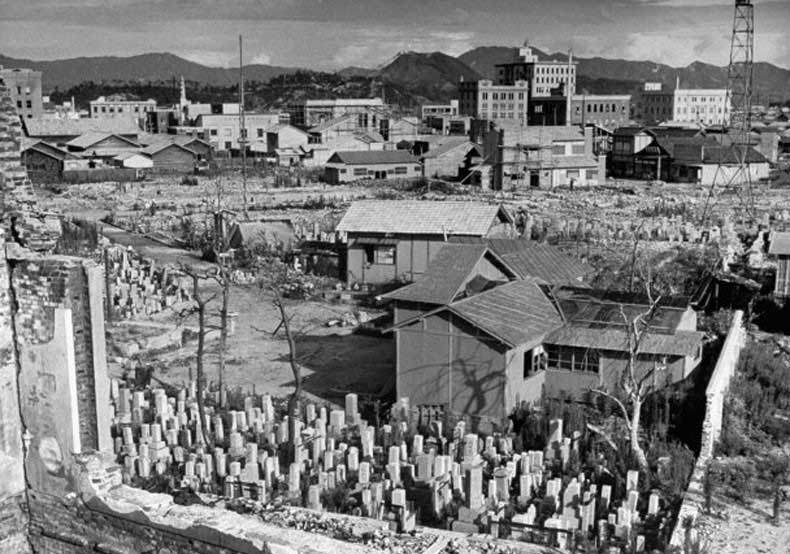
{"x": 715, "y": 393}
{"x": 13, "y": 519}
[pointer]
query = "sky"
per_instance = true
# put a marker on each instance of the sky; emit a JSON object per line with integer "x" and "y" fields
{"x": 331, "y": 34}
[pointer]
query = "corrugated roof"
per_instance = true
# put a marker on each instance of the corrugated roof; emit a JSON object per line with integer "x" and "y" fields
{"x": 515, "y": 313}
{"x": 446, "y": 273}
{"x": 680, "y": 343}
{"x": 780, "y": 244}
{"x": 415, "y": 217}
{"x": 528, "y": 258}
{"x": 368, "y": 157}
{"x": 40, "y": 127}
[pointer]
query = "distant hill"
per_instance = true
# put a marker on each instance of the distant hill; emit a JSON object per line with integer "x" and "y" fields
{"x": 410, "y": 79}
{"x": 67, "y": 73}
{"x": 434, "y": 76}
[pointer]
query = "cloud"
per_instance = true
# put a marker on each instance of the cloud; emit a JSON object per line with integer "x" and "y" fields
{"x": 262, "y": 58}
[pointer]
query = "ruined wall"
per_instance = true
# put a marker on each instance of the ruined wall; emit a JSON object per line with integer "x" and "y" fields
{"x": 715, "y": 393}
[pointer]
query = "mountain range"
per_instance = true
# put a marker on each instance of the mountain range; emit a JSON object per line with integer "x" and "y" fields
{"x": 425, "y": 76}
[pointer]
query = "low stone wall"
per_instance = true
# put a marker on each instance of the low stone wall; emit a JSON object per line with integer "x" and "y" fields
{"x": 715, "y": 393}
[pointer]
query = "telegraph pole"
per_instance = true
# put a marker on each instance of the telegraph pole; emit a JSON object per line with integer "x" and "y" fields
{"x": 242, "y": 134}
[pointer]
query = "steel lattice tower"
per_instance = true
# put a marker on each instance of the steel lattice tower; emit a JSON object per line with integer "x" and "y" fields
{"x": 740, "y": 75}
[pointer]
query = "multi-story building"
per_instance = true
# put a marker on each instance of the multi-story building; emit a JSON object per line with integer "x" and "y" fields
{"x": 24, "y": 86}
{"x": 118, "y": 105}
{"x": 223, "y": 131}
{"x": 486, "y": 100}
{"x": 653, "y": 104}
{"x": 309, "y": 113}
{"x": 607, "y": 110}
{"x": 543, "y": 76}
{"x": 703, "y": 106}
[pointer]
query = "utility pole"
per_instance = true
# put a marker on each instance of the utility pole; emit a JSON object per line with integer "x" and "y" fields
{"x": 242, "y": 135}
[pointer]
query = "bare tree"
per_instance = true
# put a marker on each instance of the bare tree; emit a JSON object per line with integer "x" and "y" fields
{"x": 633, "y": 386}
{"x": 201, "y": 308}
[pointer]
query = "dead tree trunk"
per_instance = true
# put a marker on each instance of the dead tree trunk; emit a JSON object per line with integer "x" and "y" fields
{"x": 201, "y": 304}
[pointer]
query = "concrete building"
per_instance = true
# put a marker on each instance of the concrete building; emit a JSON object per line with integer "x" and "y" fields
{"x": 449, "y": 110}
{"x": 476, "y": 338}
{"x": 550, "y": 156}
{"x": 344, "y": 167}
{"x": 396, "y": 239}
{"x": 702, "y": 106}
{"x": 223, "y": 131}
{"x": 494, "y": 102}
{"x": 24, "y": 86}
{"x": 544, "y": 77}
{"x": 606, "y": 110}
{"x": 118, "y": 105}
{"x": 654, "y": 104}
{"x": 309, "y": 113}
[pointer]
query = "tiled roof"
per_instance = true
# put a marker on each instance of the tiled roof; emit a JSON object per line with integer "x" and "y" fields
{"x": 528, "y": 258}
{"x": 414, "y": 217}
{"x": 444, "y": 147}
{"x": 446, "y": 273}
{"x": 515, "y": 313}
{"x": 368, "y": 157}
{"x": 730, "y": 155}
{"x": 89, "y": 139}
{"x": 40, "y": 127}
{"x": 51, "y": 151}
{"x": 159, "y": 146}
{"x": 680, "y": 343}
{"x": 780, "y": 244}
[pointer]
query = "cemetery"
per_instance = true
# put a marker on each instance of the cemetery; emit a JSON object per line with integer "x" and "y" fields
{"x": 259, "y": 460}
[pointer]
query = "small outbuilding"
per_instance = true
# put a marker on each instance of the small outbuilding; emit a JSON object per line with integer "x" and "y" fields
{"x": 275, "y": 233}
{"x": 344, "y": 167}
{"x": 170, "y": 156}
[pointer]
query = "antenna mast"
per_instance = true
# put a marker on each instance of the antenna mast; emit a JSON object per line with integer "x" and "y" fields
{"x": 739, "y": 103}
{"x": 242, "y": 134}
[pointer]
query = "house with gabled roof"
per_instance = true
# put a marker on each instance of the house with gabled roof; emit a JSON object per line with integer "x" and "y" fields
{"x": 475, "y": 338}
{"x": 391, "y": 240}
{"x": 344, "y": 167}
{"x": 170, "y": 156}
{"x": 45, "y": 161}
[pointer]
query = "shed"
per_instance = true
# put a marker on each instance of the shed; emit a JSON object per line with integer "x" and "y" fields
{"x": 45, "y": 161}
{"x": 274, "y": 233}
{"x": 396, "y": 239}
{"x": 170, "y": 156}
{"x": 346, "y": 166}
{"x": 134, "y": 160}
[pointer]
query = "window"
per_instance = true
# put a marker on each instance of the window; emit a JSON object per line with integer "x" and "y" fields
{"x": 534, "y": 361}
{"x": 385, "y": 255}
{"x": 137, "y": 109}
{"x": 120, "y": 109}
{"x": 212, "y": 132}
{"x": 19, "y": 90}
{"x": 342, "y": 171}
{"x": 558, "y": 149}
{"x": 401, "y": 170}
{"x": 360, "y": 171}
{"x": 29, "y": 104}
{"x": 228, "y": 145}
{"x": 104, "y": 109}
{"x": 577, "y": 149}
{"x": 18, "y": 103}
{"x": 260, "y": 132}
